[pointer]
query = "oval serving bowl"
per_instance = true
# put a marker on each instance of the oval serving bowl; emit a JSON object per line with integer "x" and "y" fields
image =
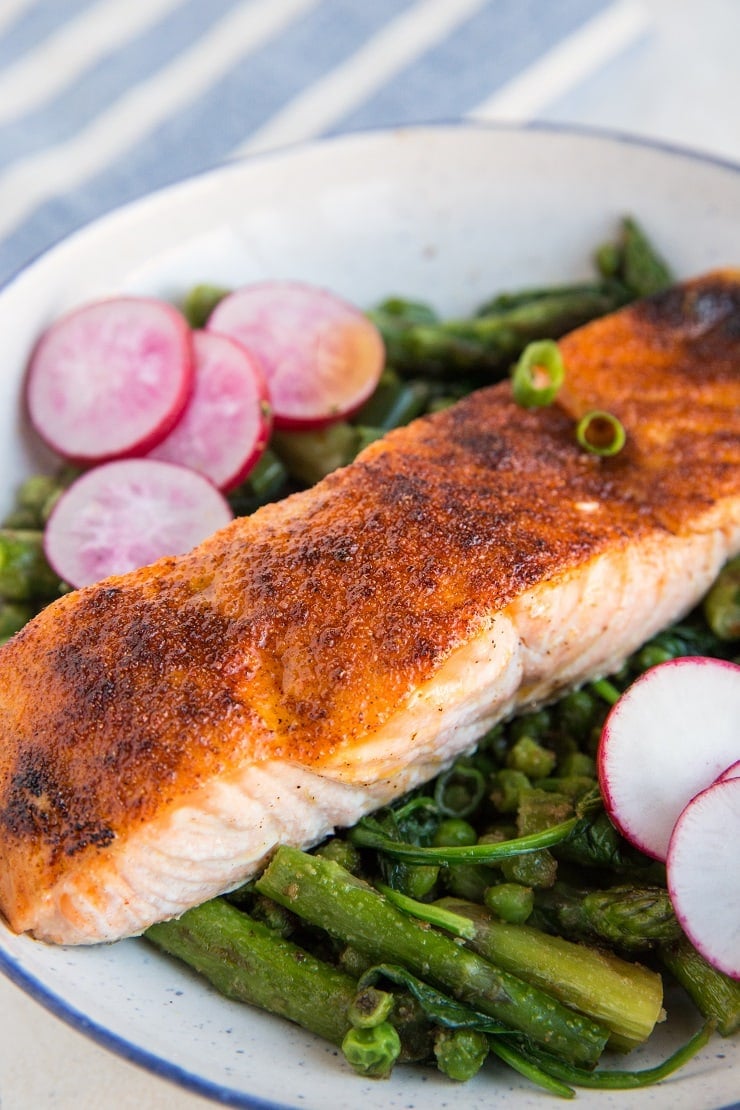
{"x": 447, "y": 214}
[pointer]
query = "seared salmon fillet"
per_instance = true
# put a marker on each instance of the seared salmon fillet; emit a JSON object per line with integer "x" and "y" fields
{"x": 164, "y": 730}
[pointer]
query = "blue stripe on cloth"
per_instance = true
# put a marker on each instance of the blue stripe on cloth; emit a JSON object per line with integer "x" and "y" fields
{"x": 111, "y": 76}
{"x": 481, "y": 56}
{"x": 31, "y": 27}
{"x": 206, "y": 130}
{"x": 599, "y": 98}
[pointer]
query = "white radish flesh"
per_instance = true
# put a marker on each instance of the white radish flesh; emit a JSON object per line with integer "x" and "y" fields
{"x": 670, "y": 735}
{"x": 129, "y": 513}
{"x": 110, "y": 379}
{"x": 322, "y": 356}
{"x": 226, "y": 424}
{"x": 704, "y": 877}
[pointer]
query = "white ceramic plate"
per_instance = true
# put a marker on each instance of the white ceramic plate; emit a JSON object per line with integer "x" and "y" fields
{"x": 450, "y": 215}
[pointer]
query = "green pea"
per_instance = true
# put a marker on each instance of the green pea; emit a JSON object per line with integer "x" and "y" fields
{"x": 460, "y": 1053}
{"x": 342, "y": 852}
{"x": 529, "y": 757}
{"x": 454, "y": 831}
{"x": 372, "y": 1052}
{"x": 535, "y": 869}
{"x": 508, "y": 785}
{"x": 511, "y": 902}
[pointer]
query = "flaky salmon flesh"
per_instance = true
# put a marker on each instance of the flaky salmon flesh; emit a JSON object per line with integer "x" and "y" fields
{"x": 164, "y": 730}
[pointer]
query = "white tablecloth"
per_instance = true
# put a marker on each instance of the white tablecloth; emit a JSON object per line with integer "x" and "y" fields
{"x": 102, "y": 101}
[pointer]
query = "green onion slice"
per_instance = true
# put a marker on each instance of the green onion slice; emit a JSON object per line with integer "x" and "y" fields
{"x": 459, "y": 791}
{"x": 600, "y": 433}
{"x": 538, "y": 375}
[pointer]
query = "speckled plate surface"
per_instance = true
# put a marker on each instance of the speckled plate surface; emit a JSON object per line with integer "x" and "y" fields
{"x": 445, "y": 214}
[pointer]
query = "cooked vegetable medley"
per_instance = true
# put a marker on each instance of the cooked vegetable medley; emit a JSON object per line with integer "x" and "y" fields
{"x": 497, "y": 911}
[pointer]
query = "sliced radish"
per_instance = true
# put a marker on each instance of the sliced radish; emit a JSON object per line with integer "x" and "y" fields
{"x": 732, "y": 772}
{"x": 128, "y": 513}
{"x": 110, "y": 379}
{"x": 670, "y": 734}
{"x": 227, "y": 421}
{"x": 322, "y": 356}
{"x": 703, "y": 875}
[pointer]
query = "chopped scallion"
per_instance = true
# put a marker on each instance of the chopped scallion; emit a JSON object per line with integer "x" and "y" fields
{"x": 538, "y": 375}
{"x": 601, "y": 433}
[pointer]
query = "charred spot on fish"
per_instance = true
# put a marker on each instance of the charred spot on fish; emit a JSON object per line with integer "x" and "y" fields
{"x": 404, "y": 491}
{"x": 373, "y": 522}
{"x": 38, "y": 803}
{"x": 86, "y": 836}
{"x": 34, "y": 776}
{"x": 344, "y": 550}
{"x": 167, "y": 636}
{"x": 486, "y": 449}
{"x": 98, "y": 602}
{"x": 307, "y": 554}
{"x": 692, "y": 309}
{"x": 209, "y": 706}
{"x": 329, "y": 548}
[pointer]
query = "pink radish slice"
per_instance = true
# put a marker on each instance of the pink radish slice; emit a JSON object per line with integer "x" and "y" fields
{"x": 226, "y": 424}
{"x": 703, "y": 875}
{"x": 732, "y": 772}
{"x": 110, "y": 379}
{"x": 129, "y": 513}
{"x": 321, "y": 355}
{"x": 670, "y": 735}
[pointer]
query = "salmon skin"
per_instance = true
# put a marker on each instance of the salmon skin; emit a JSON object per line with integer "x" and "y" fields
{"x": 164, "y": 730}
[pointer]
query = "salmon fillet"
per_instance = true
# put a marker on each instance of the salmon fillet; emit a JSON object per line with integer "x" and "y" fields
{"x": 164, "y": 730}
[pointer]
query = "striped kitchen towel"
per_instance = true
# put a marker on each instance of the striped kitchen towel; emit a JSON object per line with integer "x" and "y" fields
{"x": 102, "y": 101}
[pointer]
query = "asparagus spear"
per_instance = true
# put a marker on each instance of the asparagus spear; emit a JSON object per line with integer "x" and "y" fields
{"x": 483, "y": 347}
{"x": 604, "y": 287}
{"x": 633, "y": 262}
{"x": 643, "y": 270}
{"x": 247, "y": 961}
{"x": 715, "y": 995}
{"x": 623, "y": 996}
{"x": 628, "y": 917}
{"x": 323, "y": 893}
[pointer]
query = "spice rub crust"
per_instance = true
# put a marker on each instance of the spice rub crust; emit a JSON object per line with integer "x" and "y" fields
{"x": 296, "y": 634}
